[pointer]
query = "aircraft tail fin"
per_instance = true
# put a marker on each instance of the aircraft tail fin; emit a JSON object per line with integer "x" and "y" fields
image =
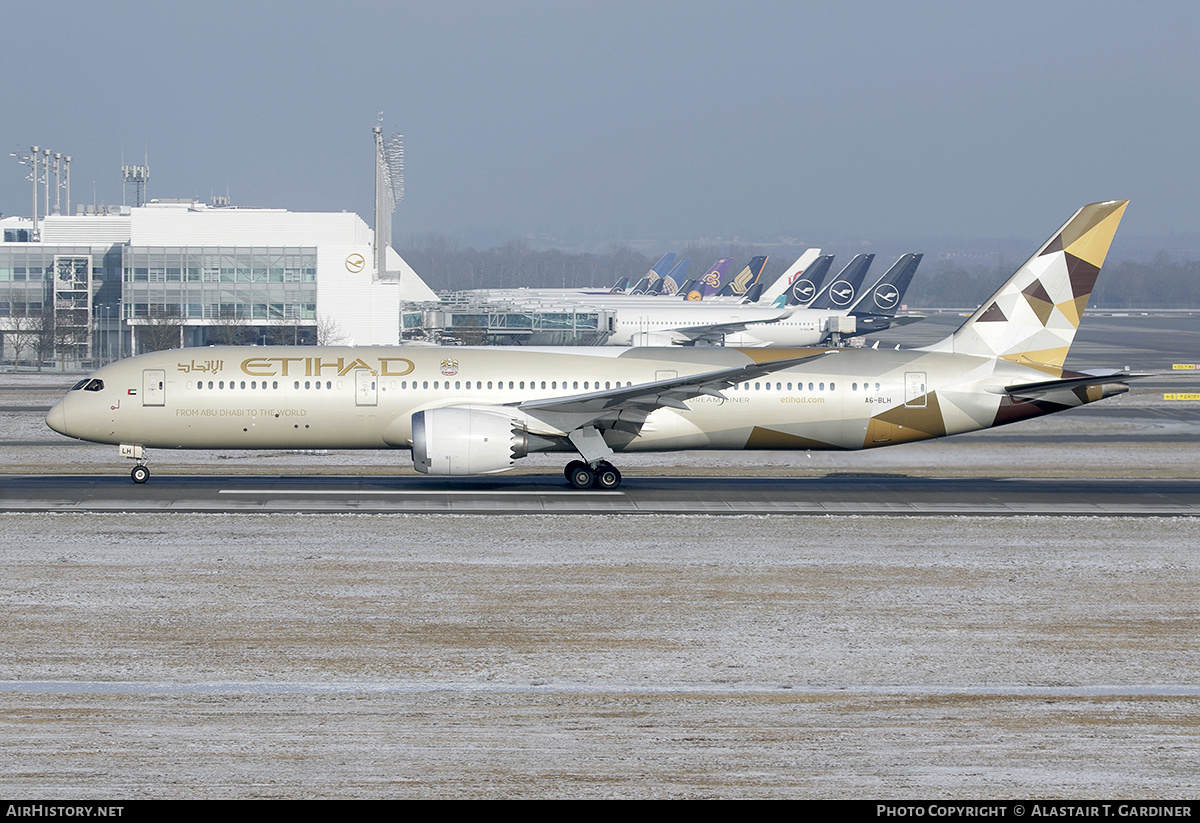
{"x": 741, "y": 282}
{"x": 753, "y": 293}
{"x": 620, "y": 286}
{"x": 791, "y": 274}
{"x": 807, "y": 284}
{"x": 710, "y": 282}
{"x": 1033, "y": 318}
{"x": 884, "y": 297}
{"x": 841, "y": 292}
{"x": 675, "y": 276}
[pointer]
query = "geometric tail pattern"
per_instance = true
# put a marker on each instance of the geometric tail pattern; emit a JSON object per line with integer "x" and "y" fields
{"x": 1032, "y": 319}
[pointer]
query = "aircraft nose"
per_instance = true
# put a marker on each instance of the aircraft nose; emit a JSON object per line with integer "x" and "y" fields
{"x": 56, "y": 418}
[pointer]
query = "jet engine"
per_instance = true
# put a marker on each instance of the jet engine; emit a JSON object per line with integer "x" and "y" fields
{"x": 460, "y": 440}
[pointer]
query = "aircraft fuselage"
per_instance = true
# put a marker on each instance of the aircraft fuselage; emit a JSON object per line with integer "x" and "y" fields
{"x": 365, "y": 398}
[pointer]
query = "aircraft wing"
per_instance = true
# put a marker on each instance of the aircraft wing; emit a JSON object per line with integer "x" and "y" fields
{"x": 627, "y": 407}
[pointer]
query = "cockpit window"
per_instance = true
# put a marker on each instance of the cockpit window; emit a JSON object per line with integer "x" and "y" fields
{"x": 80, "y": 384}
{"x": 94, "y": 385}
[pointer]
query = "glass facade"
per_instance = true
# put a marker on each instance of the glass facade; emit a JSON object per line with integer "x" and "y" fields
{"x": 152, "y": 296}
{"x": 255, "y": 284}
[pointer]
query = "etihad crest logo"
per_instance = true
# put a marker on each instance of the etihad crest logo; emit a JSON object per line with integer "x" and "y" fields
{"x": 449, "y": 367}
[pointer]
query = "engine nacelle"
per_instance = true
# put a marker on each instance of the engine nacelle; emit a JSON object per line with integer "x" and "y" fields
{"x": 459, "y": 440}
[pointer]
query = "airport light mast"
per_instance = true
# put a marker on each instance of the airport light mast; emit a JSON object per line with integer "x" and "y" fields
{"x": 389, "y": 190}
{"x": 38, "y": 161}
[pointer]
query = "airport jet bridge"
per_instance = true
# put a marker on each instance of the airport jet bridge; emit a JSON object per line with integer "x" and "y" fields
{"x": 459, "y": 319}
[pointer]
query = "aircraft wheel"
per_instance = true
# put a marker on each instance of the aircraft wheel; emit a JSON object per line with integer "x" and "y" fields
{"x": 573, "y": 467}
{"x": 580, "y": 475}
{"x": 140, "y": 474}
{"x": 607, "y": 476}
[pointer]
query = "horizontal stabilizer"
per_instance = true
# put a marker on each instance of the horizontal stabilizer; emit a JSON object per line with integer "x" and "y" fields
{"x": 1033, "y": 391}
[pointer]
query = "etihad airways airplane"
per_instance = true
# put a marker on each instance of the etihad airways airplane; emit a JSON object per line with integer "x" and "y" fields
{"x": 465, "y": 411}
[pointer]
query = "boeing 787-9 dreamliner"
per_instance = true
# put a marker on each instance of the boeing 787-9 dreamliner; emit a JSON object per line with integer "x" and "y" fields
{"x": 463, "y": 411}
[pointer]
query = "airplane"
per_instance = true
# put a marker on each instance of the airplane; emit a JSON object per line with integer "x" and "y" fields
{"x": 712, "y": 323}
{"x": 707, "y": 284}
{"x": 674, "y": 277}
{"x": 873, "y": 310}
{"x": 804, "y": 289}
{"x": 793, "y": 273}
{"x": 841, "y": 292}
{"x": 740, "y": 283}
{"x": 655, "y": 275}
{"x": 466, "y": 411}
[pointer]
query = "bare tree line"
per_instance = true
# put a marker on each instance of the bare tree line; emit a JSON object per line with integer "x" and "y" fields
{"x": 447, "y": 266}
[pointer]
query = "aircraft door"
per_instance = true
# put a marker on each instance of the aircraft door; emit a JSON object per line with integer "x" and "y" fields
{"x": 366, "y": 388}
{"x": 915, "y": 389}
{"x": 154, "y": 387}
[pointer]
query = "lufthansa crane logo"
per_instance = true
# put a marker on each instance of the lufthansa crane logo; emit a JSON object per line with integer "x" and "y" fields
{"x": 355, "y": 263}
{"x": 841, "y": 292}
{"x": 803, "y": 289}
{"x": 886, "y": 296}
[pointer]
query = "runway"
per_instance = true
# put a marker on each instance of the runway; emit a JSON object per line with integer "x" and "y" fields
{"x": 832, "y": 494}
{"x": 287, "y": 624}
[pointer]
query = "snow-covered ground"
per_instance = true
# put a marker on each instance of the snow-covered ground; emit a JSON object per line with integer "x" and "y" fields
{"x": 451, "y": 656}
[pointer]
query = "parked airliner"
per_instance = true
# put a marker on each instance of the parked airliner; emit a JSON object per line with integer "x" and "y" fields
{"x": 465, "y": 411}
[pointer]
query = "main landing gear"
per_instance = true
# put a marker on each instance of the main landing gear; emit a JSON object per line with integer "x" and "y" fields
{"x": 582, "y": 476}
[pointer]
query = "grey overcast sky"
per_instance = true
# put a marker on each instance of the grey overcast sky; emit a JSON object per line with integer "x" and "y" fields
{"x": 618, "y": 121}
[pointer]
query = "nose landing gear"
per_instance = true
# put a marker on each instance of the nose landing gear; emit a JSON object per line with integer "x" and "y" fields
{"x": 140, "y": 473}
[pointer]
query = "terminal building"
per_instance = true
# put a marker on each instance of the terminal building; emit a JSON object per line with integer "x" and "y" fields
{"x": 84, "y": 289}
{"x": 97, "y": 287}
